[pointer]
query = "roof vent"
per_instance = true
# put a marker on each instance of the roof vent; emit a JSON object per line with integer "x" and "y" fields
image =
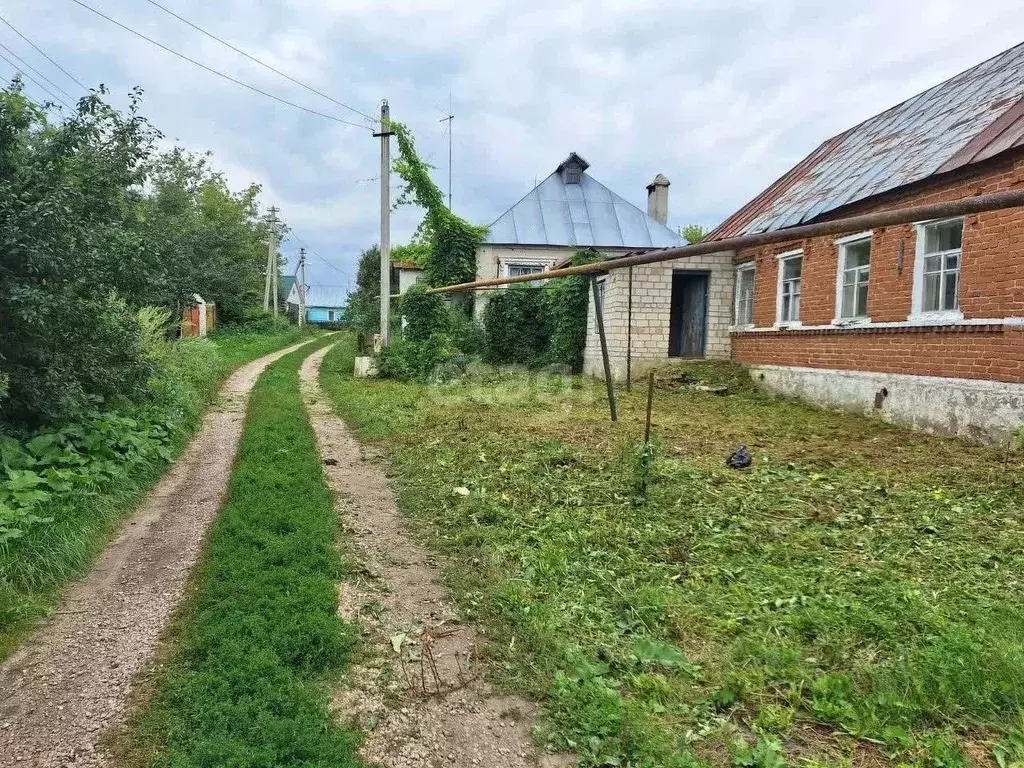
{"x": 572, "y": 168}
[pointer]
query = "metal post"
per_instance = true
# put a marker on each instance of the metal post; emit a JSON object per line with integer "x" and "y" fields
{"x": 629, "y": 332}
{"x": 599, "y": 319}
{"x": 385, "y": 222}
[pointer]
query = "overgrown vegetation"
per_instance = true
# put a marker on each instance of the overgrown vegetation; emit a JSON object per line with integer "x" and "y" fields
{"x": 854, "y": 597}
{"x": 62, "y": 490}
{"x": 536, "y": 325}
{"x": 242, "y": 684}
{"x": 97, "y": 223}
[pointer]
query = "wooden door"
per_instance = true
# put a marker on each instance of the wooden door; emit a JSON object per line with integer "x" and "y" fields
{"x": 689, "y": 314}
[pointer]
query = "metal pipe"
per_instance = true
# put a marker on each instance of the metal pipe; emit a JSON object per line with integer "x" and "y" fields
{"x": 978, "y": 204}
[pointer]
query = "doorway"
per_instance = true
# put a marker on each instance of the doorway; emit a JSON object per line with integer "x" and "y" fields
{"x": 688, "y": 318}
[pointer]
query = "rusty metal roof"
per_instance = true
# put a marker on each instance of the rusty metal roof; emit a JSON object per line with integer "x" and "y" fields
{"x": 968, "y": 118}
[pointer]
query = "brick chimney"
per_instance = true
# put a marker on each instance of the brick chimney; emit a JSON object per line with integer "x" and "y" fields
{"x": 657, "y": 199}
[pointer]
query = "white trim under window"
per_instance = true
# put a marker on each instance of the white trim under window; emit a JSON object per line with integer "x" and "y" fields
{"x": 937, "y": 260}
{"x": 852, "y": 271}
{"x": 788, "y": 288}
{"x": 743, "y": 298}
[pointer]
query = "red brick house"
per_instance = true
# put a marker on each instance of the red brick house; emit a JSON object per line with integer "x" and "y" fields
{"x": 922, "y": 323}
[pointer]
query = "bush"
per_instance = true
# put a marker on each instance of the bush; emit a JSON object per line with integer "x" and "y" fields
{"x": 425, "y": 314}
{"x": 258, "y": 320}
{"x": 408, "y": 360}
{"x": 516, "y": 326}
{"x": 566, "y": 300}
{"x": 467, "y": 335}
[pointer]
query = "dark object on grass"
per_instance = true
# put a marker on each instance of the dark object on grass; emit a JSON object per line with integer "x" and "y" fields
{"x": 740, "y": 458}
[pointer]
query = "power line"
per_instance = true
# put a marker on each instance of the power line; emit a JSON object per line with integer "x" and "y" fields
{"x": 237, "y": 50}
{"x": 43, "y": 53}
{"x": 213, "y": 71}
{"x": 26, "y": 75}
{"x": 44, "y": 77}
{"x": 325, "y": 261}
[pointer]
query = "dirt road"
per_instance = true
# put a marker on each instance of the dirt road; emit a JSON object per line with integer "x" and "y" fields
{"x": 420, "y": 695}
{"x": 71, "y": 680}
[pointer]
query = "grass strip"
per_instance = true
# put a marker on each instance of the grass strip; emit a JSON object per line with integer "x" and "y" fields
{"x": 854, "y": 597}
{"x": 244, "y": 678}
{"x": 35, "y": 568}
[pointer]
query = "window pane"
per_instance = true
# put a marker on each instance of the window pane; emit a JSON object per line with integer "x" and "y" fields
{"x": 952, "y": 261}
{"x": 949, "y": 292}
{"x": 795, "y": 315}
{"x": 849, "y": 301}
{"x": 946, "y": 236}
{"x": 791, "y": 268}
{"x": 862, "y": 300}
{"x": 858, "y": 254}
{"x": 932, "y": 263}
{"x": 931, "y": 293}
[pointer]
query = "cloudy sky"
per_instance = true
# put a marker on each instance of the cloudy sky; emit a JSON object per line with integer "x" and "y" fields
{"x": 719, "y": 95}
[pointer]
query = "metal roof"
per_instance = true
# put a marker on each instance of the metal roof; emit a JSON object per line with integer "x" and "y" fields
{"x": 284, "y": 285}
{"x": 584, "y": 214}
{"x": 329, "y": 296}
{"x": 968, "y": 118}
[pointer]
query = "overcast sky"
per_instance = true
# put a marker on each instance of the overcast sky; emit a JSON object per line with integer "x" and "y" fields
{"x": 721, "y": 96}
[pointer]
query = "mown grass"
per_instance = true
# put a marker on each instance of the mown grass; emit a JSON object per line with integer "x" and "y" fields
{"x": 34, "y": 568}
{"x": 242, "y": 683}
{"x": 855, "y": 597}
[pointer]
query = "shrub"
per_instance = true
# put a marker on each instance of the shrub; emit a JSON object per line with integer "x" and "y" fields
{"x": 516, "y": 325}
{"x": 467, "y": 335}
{"x": 414, "y": 360}
{"x": 258, "y": 320}
{"x": 425, "y": 313}
{"x": 566, "y": 300}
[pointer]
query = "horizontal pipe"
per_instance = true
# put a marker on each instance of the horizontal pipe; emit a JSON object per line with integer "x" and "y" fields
{"x": 964, "y": 207}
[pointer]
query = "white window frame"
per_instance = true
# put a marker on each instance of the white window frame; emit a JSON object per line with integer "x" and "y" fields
{"x": 842, "y": 244}
{"x": 917, "y": 313}
{"x": 751, "y": 267}
{"x": 524, "y": 264}
{"x": 780, "y": 259}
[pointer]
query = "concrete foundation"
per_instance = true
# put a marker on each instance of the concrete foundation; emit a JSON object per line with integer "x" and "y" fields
{"x": 984, "y": 411}
{"x": 365, "y": 366}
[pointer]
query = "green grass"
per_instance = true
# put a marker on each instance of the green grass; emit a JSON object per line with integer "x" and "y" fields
{"x": 243, "y": 681}
{"x": 35, "y": 568}
{"x": 856, "y": 595}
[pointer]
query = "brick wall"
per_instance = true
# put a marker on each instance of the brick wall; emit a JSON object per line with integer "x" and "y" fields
{"x": 991, "y": 288}
{"x": 652, "y": 301}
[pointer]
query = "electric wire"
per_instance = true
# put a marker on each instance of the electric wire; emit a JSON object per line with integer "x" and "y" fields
{"x": 36, "y": 71}
{"x": 43, "y": 53}
{"x": 263, "y": 64}
{"x": 27, "y": 76}
{"x": 213, "y": 71}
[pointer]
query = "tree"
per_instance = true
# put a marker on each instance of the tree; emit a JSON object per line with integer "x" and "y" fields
{"x": 693, "y": 233}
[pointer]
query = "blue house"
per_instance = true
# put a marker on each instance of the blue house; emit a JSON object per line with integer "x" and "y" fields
{"x": 324, "y": 303}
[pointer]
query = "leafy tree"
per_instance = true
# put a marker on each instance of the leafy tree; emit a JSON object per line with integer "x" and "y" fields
{"x": 693, "y": 233}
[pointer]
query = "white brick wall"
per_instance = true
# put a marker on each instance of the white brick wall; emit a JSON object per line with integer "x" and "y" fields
{"x": 652, "y": 300}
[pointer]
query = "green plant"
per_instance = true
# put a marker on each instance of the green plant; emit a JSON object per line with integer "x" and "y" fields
{"x": 566, "y": 300}
{"x": 243, "y": 682}
{"x": 693, "y": 233}
{"x": 425, "y": 314}
{"x": 516, "y": 326}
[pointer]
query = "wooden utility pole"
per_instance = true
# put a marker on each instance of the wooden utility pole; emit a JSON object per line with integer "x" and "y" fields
{"x": 385, "y": 221}
{"x": 271, "y": 279}
{"x": 302, "y": 286}
{"x": 448, "y": 119}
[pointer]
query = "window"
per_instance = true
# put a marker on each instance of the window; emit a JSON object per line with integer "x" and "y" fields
{"x": 330, "y": 315}
{"x": 852, "y": 281}
{"x": 790, "y": 266}
{"x": 515, "y": 270}
{"x": 937, "y": 267}
{"x": 744, "y": 309}
{"x": 573, "y": 174}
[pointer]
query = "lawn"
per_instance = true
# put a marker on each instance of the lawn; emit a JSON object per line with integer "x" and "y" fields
{"x": 852, "y": 598}
{"x": 243, "y": 675}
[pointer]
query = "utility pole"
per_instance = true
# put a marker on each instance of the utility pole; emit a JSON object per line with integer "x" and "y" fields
{"x": 302, "y": 286}
{"x": 271, "y": 279}
{"x": 385, "y": 221}
{"x": 450, "y": 117}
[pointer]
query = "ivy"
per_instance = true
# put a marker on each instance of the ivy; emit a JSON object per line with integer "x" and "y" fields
{"x": 452, "y": 242}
